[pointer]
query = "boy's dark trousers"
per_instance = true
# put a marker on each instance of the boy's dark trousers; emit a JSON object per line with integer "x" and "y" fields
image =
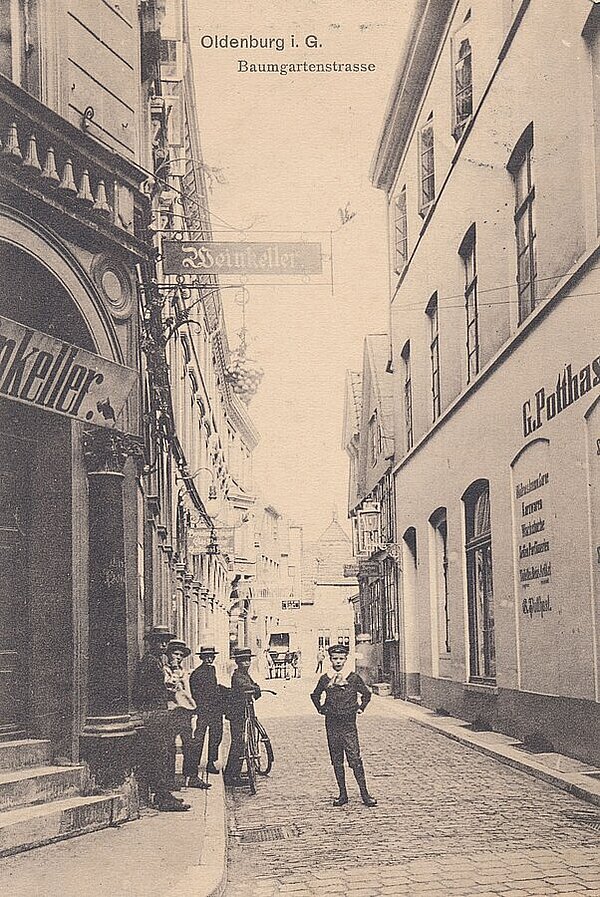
{"x": 233, "y": 767}
{"x": 342, "y": 738}
{"x": 213, "y": 721}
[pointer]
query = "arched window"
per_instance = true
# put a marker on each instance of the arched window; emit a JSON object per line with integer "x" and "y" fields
{"x": 480, "y": 587}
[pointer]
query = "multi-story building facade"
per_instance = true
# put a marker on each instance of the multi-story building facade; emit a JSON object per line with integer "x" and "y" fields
{"x": 329, "y": 592}
{"x": 369, "y": 442}
{"x": 126, "y": 472}
{"x": 77, "y": 82}
{"x": 199, "y": 543}
{"x": 488, "y": 157}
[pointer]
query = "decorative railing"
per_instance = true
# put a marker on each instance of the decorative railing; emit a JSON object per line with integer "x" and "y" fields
{"x": 66, "y": 170}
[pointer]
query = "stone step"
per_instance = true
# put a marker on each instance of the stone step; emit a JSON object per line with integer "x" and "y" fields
{"x": 39, "y": 784}
{"x": 24, "y": 753}
{"x": 33, "y": 826}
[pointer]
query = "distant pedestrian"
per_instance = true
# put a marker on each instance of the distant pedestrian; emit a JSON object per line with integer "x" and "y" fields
{"x": 181, "y": 712}
{"x": 320, "y": 659}
{"x": 243, "y": 687}
{"x": 150, "y": 696}
{"x": 208, "y": 697}
{"x": 340, "y": 705}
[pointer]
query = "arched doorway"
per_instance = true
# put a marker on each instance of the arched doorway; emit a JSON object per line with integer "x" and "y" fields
{"x": 50, "y": 320}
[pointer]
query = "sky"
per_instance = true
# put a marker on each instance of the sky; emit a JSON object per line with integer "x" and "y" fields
{"x": 292, "y": 150}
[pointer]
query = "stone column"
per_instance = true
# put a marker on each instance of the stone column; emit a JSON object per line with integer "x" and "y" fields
{"x": 105, "y": 454}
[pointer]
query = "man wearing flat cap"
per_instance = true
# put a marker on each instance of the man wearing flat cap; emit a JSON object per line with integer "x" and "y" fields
{"x": 150, "y": 696}
{"x": 208, "y": 697}
{"x": 339, "y": 697}
{"x": 242, "y": 686}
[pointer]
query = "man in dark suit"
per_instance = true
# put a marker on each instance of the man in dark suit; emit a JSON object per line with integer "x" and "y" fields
{"x": 242, "y": 686}
{"x": 208, "y": 697}
{"x": 340, "y": 705}
{"x": 150, "y": 696}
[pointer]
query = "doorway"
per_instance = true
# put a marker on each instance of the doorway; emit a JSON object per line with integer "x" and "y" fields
{"x": 14, "y": 587}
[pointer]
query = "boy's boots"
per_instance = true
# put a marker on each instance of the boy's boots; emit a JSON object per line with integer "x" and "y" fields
{"x": 359, "y": 774}
{"x": 340, "y": 777}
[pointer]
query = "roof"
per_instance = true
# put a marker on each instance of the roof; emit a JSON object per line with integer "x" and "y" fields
{"x": 377, "y": 349}
{"x": 425, "y": 32}
{"x": 333, "y": 533}
{"x": 352, "y": 408}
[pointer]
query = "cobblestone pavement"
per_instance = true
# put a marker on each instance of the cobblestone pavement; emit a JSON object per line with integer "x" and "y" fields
{"x": 450, "y": 822}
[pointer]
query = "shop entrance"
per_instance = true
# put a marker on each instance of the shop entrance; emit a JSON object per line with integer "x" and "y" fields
{"x": 14, "y": 586}
{"x": 36, "y": 575}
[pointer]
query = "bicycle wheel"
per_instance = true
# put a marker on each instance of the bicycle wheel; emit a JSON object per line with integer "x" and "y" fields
{"x": 265, "y": 756}
{"x": 249, "y": 755}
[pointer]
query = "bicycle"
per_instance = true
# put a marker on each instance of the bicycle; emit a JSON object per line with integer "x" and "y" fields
{"x": 257, "y": 749}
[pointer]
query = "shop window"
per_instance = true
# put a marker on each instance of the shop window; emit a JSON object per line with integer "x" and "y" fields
{"x": 467, "y": 252}
{"x": 520, "y": 167}
{"x": 20, "y": 44}
{"x": 432, "y": 312}
{"x": 439, "y": 576}
{"x": 427, "y": 166}
{"x": 400, "y": 232}
{"x": 408, "y": 398}
{"x": 480, "y": 587}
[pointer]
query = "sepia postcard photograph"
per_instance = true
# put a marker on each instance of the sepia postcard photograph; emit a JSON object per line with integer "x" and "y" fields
{"x": 299, "y": 418}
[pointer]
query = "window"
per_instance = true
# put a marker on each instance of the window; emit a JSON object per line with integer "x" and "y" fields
{"x": 439, "y": 576}
{"x": 324, "y": 638}
{"x": 427, "y": 167}
{"x": 467, "y": 253}
{"x": 19, "y": 44}
{"x": 375, "y": 611}
{"x": 521, "y": 170}
{"x": 463, "y": 88}
{"x": 480, "y": 589}
{"x": 408, "y": 411}
{"x": 391, "y": 601}
{"x": 168, "y": 51}
{"x": 400, "y": 232}
{"x": 374, "y": 438}
{"x": 432, "y": 313}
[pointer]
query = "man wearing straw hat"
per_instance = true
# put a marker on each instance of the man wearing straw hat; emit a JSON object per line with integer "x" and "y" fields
{"x": 181, "y": 710}
{"x": 242, "y": 684}
{"x": 208, "y": 697}
{"x": 150, "y": 696}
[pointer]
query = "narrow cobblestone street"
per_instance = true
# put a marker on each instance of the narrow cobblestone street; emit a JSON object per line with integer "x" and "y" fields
{"x": 449, "y": 821}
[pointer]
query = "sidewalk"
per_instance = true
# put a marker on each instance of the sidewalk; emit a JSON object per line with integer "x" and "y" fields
{"x": 170, "y": 854}
{"x": 579, "y": 779}
{"x": 164, "y": 854}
